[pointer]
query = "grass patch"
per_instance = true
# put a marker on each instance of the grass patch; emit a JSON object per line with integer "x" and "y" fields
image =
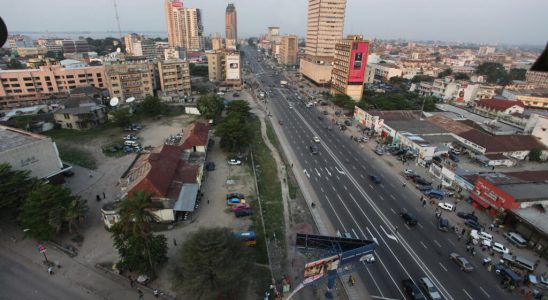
{"x": 77, "y": 156}
{"x": 272, "y": 136}
{"x": 261, "y": 280}
{"x": 292, "y": 188}
{"x": 69, "y": 135}
{"x": 269, "y": 187}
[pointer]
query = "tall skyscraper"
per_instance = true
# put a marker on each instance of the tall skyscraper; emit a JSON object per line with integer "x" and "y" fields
{"x": 348, "y": 74}
{"x": 289, "y": 46}
{"x": 231, "y": 22}
{"x": 184, "y": 26}
{"x": 324, "y": 30}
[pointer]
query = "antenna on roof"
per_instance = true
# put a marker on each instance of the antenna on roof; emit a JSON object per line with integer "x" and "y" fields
{"x": 130, "y": 99}
{"x": 114, "y": 101}
{"x": 117, "y": 20}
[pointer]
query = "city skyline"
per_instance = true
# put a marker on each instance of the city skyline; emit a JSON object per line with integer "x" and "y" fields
{"x": 428, "y": 20}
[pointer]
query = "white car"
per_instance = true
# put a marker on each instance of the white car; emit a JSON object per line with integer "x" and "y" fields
{"x": 482, "y": 235}
{"x": 234, "y": 162}
{"x": 446, "y": 206}
{"x": 316, "y": 139}
{"x": 309, "y": 104}
{"x": 498, "y": 247}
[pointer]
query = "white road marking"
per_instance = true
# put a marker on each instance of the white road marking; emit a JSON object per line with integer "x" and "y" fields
{"x": 321, "y": 189}
{"x": 423, "y": 245}
{"x": 362, "y": 176}
{"x": 388, "y": 234}
{"x": 443, "y": 267}
{"x": 392, "y": 196}
{"x": 355, "y": 234}
{"x": 318, "y": 172}
{"x": 391, "y": 209}
{"x": 345, "y": 188}
{"x": 354, "y": 166}
{"x": 340, "y": 172}
{"x": 381, "y": 185}
{"x": 327, "y": 170}
{"x": 467, "y": 294}
{"x": 381, "y": 197}
{"x": 370, "y": 233}
{"x": 436, "y": 242}
{"x": 451, "y": 242}
{"x": 371, "y": 186}
{"x": 420, "y": 225}
{"x": 304, "y": 171}
{"x": 488, "y": 296}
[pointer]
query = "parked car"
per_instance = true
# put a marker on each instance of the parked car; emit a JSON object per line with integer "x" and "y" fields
{"x": 316, "y": 139}
{"x": 210, "y": 166}
{"x": 424, "y": 188}
{"x": 443, "y": 224}
{"x": 466, "y": 215}
{"x": 281, "y": 122}
{"x": 473, "y": 224}
{"x": 412, "y": 290}
{"x": 379, "y": 151}
{"x": 408, "y": 172}
{"x": 243, "y": 213}
{"x": 234, "y": 162}
{"x": 130, "y": 137}
{"x": 408, "y": 219}
{"x": 446, "y": 206}
{"x": 347, "y": 122}
{"x": 240, "y": 206}
{"x": 314, "y": 149}
{"x": 480, "y": 235}
{"x": 498, "y": 247}
{"x": 454, "y": 157}
{"x": 429, "y": 288}
{"x": 462, "y": 262}
{"x": 68, "y": 173}
{"x": 375, "y": 179}
{"x": 435, "y": 193}
{"x": 423, "y": 181}
{"x": 235, "y": 195}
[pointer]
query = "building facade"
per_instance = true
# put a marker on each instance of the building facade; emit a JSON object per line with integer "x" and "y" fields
{"x": 184, "y": 26}
{"x": 325, "y": 24}
{"x": 130, "y": 40}
{"x": 215, "y": 66}
{"x": 231, "y": 23}
{"x": 217, "y": 43}
{"x": 81, "y": 117}
{"x": 75, "y": 46}
{"x": 174, "y": 78}
{"x": 145, "y": 48}
{"x": 348, "y": 74}
{"x": 289, "y": 46}
{"x": 29, "y": 87}
{"x": 130, "y": 80}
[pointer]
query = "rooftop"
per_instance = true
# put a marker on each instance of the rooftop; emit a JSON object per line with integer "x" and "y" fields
{"x": 396, "y": 115}
{"x": 13, "y": 138}
{"x": 534, "y": 215}
{"x": 498, "y": 105}
{"x": 523, "y": 186}
{"x": 197, "y": 135}
{"x": 448, "y": 124}
{"x": 416, "y": 127}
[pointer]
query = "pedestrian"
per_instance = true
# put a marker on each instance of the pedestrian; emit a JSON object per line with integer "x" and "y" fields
{"x": 174, "y": 242}
{"x": 207, "y": 201}
{"x": 90, "y": 174}
{"x": 350, "y": 280}
{"x": 491, "y": 226}
{"x": 156, "y": 293}
{"x": 423, "y": 203}
{"x": 97, "y": 197}
{"x": 396, "y": 229}
{"x": 463, "y": 231}
{"x": 50, "y": 270}
{"x": 404, "y": 184}
{"x": 104, "y": 195}
{"x": 140, "y": 293}
{"x": 131, "y": 281}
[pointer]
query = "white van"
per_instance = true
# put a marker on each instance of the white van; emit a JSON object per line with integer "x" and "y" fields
{"x": 516, "y": 239}
{"x": 131, "y": 143}
{"x": 524, "y": 263}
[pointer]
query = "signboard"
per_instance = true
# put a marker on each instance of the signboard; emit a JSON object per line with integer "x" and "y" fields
{"x": 319, "y": 268}
{"x": 42, "y": 248}
{"x": 358, "y": 61}
{"x": 233, "y": 67}
{"x": 492, "y": 195}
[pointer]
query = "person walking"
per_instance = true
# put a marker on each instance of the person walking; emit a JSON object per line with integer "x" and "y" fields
{"x": 50, "y": 270}
{"x": 131, "y": 281}
{"x": 97, "y": 197}
{"x": 104, "y": 195}
{"x": 140, "y": 293}
{"x": 174, "y": 242}
{"x": 156, "y": 293}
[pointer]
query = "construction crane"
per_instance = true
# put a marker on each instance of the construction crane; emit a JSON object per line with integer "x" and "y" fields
{"x": 117, "y": 20}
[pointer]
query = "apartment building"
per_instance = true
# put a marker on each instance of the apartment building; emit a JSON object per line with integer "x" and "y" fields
{"x": 29, "y": 87}
{"x": 184, "y": 26}
{"x": 538, "y": 74}
{"x": 174, "y": 78}
{"x": 324, "y": 29}
{"x": 382, "y": 71}
{"x": 348, "y": 74}
{"x": 130, "y": 40}
{"x": 217, "y": 43}
{"x": 215, "y": 66}
{"x": 145, "y": 48}
{"x": 289, "y": 46}
{"x": 231, "y": 23}
{"x": 225, "y": 67}
{"x": 130, "y": 80}
{"x": 75, "y": 46}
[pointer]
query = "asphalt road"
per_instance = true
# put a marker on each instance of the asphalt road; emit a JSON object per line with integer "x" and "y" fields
{"x": 339, "y": 176}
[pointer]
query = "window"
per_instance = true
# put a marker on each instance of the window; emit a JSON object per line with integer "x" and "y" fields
{"x": 13, "y": 79}
{"x": 27, "y": 78}
{"x": 29, "y": 84}
{"x": 67, "y": 116}
{"x": 70, "y": 76}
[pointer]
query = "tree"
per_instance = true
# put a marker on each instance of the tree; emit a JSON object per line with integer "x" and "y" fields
{"x": 239, "y": 107}
{"x": 419, "y": 78}
{"x": 534, "y": 154}
{"x": 15, "y": 64}
{"x": 461, "y": 76}
{"x": 517, "y": 74}
{"x": 445, "y": 73}
{"x": 494, "y": 72}
{"x": 122, "y": 116}
{"x": 209, "y": 105}
{"x": 198, "y": 70}
{"x": 211, "y": 264}
{"x": 44, "y": 211}
{"x": 151, "y": 106}
{"x": 140, "y": 250}
{"x": 15, "y": 185}
{"x": 235, "y": 135}
{"x": 75, "y": 211}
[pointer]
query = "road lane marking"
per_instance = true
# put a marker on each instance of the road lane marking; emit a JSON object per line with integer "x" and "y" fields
{"x": 451, "y": 242}
{"x": 436, "y": 242}
{"x": 321, "y": 189}
{"x": 371, "y": 186}
{"x": 467, "y": 294}
{"x": 443, "y": 267}
{"x": 305, "y": 172}
{"x": 327, "y": 170}
{"x": 423, "y": 245}
{"x": 488, "y": 296}
{"x": 420, "y": 225}
{"x": 340, "y": 172}
{"x": 392, "y": 196}
{"x": 388, "y": 234}
{"x": 393, "y": 211}
{"x": 381, "y": 185}
{"x": 380, "y": 196}
{"x": 318, "y": 172}
{"x": 370, "y": 233}
{"x": 355, "y": 234}
{"x": 361, "y": 175}
{"x": 345, "y": 188}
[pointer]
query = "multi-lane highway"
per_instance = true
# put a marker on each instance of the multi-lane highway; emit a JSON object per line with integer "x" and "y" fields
{"x": 339, "y": 181}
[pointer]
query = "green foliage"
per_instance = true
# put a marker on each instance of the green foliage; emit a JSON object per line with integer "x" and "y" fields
{"x": 343, "y": 101}
{"x": 517, "y": 74}
{"x": 15, "y": 64}
{"x": 494, "y": 72}
{"x": 211, "y": 264}
{"x": 139, "y": 249}
{"x": 151, "y": 106}
{"x": 198, "y": 70}
{"x": 209, "y": 105}
{"x": 103, "y": 46}
{"x": 239, "y": 107}
{"x": 398, "y": 80}
{"x": 534, "y": 154}
{"x": 122, "y": 116}
{"x": 48, "y": 209}
{"x": 77, "y": 156}
{"x": 420, "y": 78}
{"x": 235, "y": 134}
{"x": 445, "y": 73}
{"x": 14, "y": 186}
{"x": 397, "y": 101}
{"x": 54, "y": 55}
{"x": 461, "y": 76}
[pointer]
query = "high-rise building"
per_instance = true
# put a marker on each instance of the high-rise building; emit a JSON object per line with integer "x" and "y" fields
{"x": 75, "y": 46}
{"x": 324, "y": 30}
{"x": 174, "y": 78}
{"x": 538, "y": 73}
{"x": 216, "y": 43}
{"x": 348, "y": 74}
{"x": 145, "y": 48}
{"x": 130, "y": 80}
{"x": 184, "y": 26}
{"x": 231, "y": 22}
{"x": 20, "y": 41}
{"x": 215, "y": 66}
{"x": 130, "y": 40}
{"x": 225, "y": 66}
{"x": 289, "y": 46}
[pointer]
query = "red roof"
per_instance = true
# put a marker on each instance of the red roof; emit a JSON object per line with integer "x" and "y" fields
{"x": 502, "y": 143}
{"x": 196, "y": 136}
{"x": 185, "y": 173}
{"x": 158, "y": 169}
{"x": 499, "y": 105}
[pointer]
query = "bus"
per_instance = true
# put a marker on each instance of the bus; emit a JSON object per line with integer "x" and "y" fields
{"x": 248, "y": 238}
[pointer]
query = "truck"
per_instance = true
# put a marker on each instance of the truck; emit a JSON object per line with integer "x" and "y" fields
{"x": 283, "y": 83}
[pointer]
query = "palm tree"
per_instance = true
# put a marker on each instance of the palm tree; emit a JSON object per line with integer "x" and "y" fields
{"x": 75, "y": 211}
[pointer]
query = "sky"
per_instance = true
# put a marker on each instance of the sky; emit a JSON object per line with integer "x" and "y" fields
{"x": 477, "y": 21}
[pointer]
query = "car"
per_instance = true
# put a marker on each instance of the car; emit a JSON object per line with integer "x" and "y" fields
{"x": 316, "y": 139}
{"x": 375, "y": 179}
{"x": 68, "y": 173}
{"x": 290, "y": 106}
{"x": 234, "y": 162}
{"x": 473, "y": 224}
{"x": 281, "y": 122}
{"x": 408, "y": 172}
{"x": 412, "y": 290}
{"x": 309, "y": 104}
{"x": 424, "y": 188}
{"x": 497, "y": 247}
{"x": 454, "y": 157}
{"x": 235, "y": 95}
{"x": 347, "y": 122}
{"x": 130, "y": 137}
{"x": 429, "y": 288}
{"x": 455, "y": 150}
{"x": 462, "y": 262}
{"x": 314, "y": 149}
{"x": 234, "y": 201}
{"x": 480, "y": 235}
{"x": 243, "y": 213}
{"x": 329, "y": 127}
{"x": 240, "y": 206}
{"x": 423, "y": 181}
{"x": 210, "y": 166}
{"x": 443, "y": 224}
{"x": 379, "y": 152}
{"x": 466, "y": 215}
{"x": 408, "y": 219}
{"x": 446, "y": 206}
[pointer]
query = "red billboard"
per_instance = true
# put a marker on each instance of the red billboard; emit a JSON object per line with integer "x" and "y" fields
{"x": 358, "y": 60}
